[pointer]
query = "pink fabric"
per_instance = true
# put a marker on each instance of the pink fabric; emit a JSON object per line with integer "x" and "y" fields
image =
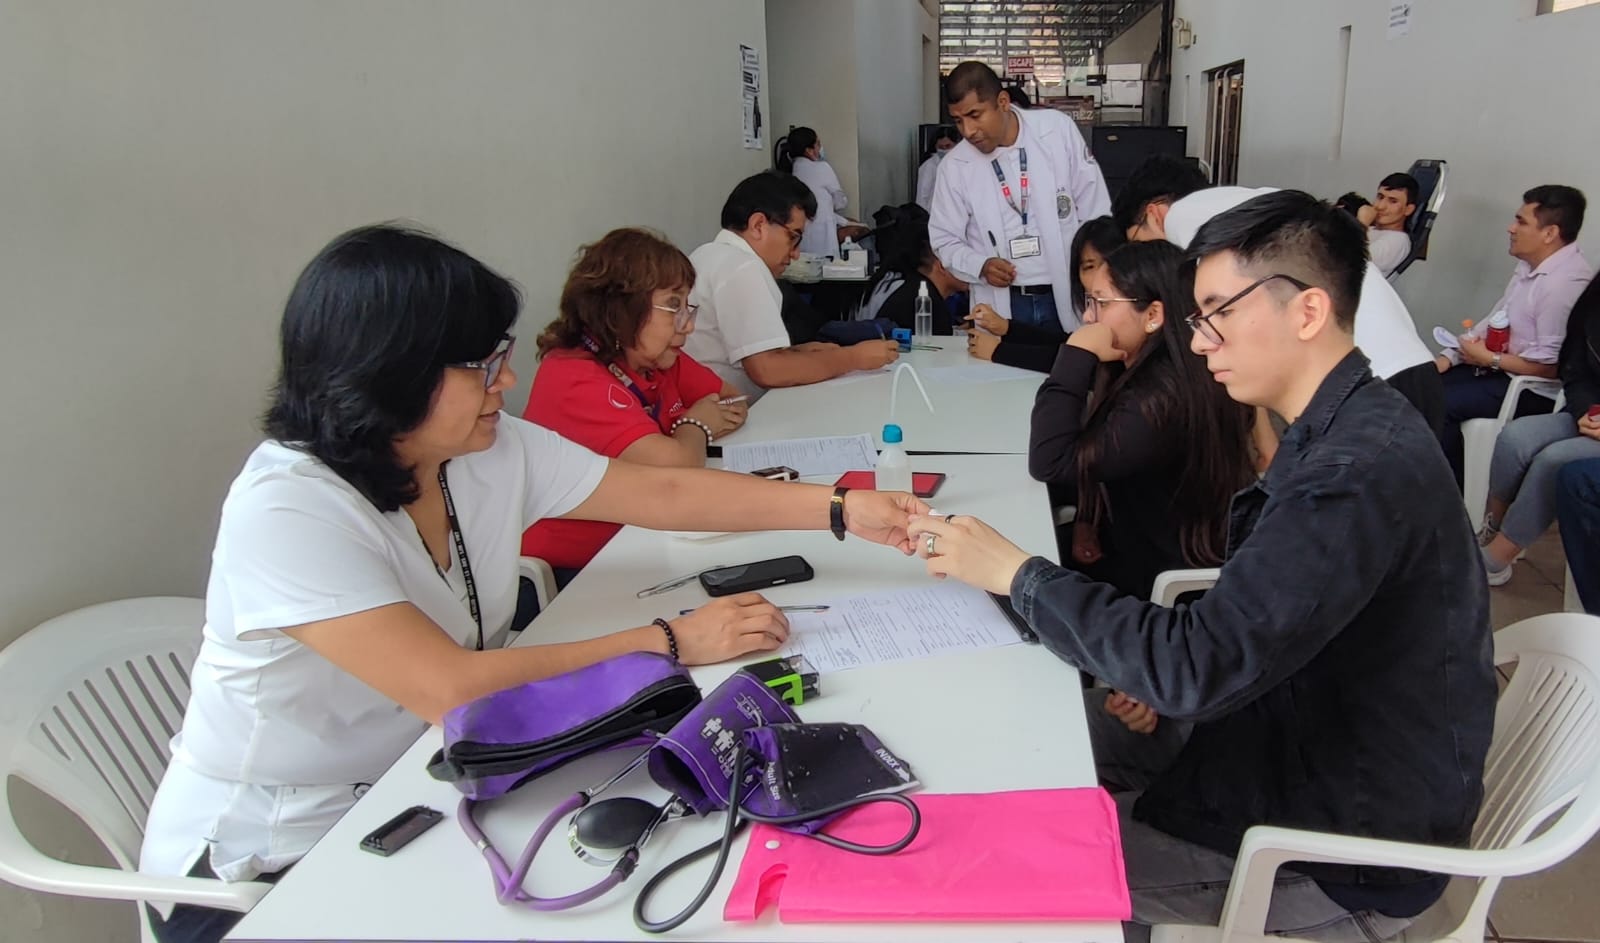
{"x": 1038, "y": 855}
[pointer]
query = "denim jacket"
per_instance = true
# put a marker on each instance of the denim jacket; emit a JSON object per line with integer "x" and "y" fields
{"x": 1340, "y": 673}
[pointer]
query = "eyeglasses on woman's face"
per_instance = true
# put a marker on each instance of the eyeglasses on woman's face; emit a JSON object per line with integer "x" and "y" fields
{"x": 493, "y": 364}
{"x": 682, "y": 315}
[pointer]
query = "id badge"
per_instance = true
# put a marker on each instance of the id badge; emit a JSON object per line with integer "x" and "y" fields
{"x": 1025, "y": 247}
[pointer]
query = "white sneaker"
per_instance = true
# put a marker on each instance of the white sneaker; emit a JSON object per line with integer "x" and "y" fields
{"x": 1497, "y": 574}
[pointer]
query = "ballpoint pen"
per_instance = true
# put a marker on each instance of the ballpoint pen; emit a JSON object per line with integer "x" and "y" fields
{"x": 733, "y": 399}
{"x": 671, "y": 584}
{"x": 684, "y": 612}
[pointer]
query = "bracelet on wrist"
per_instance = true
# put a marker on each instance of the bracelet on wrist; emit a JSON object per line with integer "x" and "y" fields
{"x": 672, "y": 639}
{"x": 691, "y": 421}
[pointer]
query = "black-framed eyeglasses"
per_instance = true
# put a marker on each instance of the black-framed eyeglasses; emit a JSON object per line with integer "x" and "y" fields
{"x": 1203, "y": 325}
{"x": 493, "y": 364}
{"x": 682, "y": 316}
{"x": 795, "y": 235}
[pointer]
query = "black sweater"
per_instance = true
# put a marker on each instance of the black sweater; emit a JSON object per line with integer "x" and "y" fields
{"x": 1029, "y": 347}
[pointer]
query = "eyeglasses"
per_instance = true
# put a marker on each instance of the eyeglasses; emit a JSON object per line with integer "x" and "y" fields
{"x": 795, "y": 235}
{"x": 682, "y": 316}
{"x": 1096, "y": 305}
{"x": 493, "y": 364}
{"x": 1202, "y": 323}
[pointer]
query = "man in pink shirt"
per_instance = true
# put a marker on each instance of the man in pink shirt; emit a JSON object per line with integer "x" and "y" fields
{"x": 1550, "y": 275}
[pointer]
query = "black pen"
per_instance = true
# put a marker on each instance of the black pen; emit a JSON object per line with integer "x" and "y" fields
{"x": 992, "y": 243}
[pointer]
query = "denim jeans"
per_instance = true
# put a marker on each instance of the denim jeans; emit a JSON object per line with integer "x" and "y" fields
{"x": 1578, "y": 508}
{"x": 1174, "y": 881}
{"x": 1036, "y": 310}
{"x": 1527, "y": 456}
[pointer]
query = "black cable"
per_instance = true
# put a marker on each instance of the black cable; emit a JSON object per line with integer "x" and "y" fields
{"x": 737, "y": 820}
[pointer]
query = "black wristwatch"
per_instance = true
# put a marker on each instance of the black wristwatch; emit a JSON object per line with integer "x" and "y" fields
{"x": 836, "y": 513}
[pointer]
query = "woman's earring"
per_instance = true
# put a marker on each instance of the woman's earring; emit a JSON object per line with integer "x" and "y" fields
{"x": 1150, "y": 327}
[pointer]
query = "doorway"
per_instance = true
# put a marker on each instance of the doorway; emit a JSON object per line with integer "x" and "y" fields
{"x": 1224, "y": 112}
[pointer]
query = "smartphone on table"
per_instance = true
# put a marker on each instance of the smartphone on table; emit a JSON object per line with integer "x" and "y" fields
{"x": 923, "y": 484}
{"x": 749, "y": 577}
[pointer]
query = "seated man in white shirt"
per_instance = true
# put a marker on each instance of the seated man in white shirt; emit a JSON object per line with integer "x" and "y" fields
{"x": 739, "y": 330}
{"x": 1386, "y": 219}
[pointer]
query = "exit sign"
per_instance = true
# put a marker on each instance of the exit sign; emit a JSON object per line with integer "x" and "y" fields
{"x": 1019, "y": 65}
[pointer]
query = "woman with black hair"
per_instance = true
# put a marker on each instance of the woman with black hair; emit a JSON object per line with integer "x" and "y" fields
{"x": 804, "y": 157}
{"x": 1133, "y": 421}
{"x": 365, "y": 569}
{"x": 908, "y": 264}
{"x": 1029, "y": 346}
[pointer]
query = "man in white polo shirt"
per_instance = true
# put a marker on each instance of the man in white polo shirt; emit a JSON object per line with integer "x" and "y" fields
{"x": 739, "y": 330}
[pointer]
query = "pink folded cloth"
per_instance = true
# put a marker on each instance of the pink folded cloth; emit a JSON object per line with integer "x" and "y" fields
{"x": 1034, "y": 855}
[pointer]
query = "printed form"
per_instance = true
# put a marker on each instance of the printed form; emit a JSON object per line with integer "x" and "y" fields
{"x": 898, "y": 626}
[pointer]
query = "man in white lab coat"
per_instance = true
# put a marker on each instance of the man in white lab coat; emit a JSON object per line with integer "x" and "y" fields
{"x": 1010, "y": 197}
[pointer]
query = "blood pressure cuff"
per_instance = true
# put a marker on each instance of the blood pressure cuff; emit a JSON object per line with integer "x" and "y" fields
{"x": 805, "y": 768}
{"x": 695, "y": 759}
{"x": 496, "y": 743}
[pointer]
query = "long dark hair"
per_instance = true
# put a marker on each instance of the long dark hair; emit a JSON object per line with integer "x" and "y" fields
{"x": 367, "y": 332}
{"x": 1176, "y": 395}
{"x": 796, "y": 144}
{"x": 1104, "y": 236}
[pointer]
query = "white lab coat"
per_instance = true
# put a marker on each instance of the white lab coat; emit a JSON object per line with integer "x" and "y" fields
{"x": 822, "y": 233}
{"x": 967, "y": 206}
{"x": 926, "y": 175}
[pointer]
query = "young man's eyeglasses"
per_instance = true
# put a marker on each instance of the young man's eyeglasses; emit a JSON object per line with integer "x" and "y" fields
{"x": 682, "y": 316}
{"x": 1205, "y": 327}
{"x": 492, "y": 364}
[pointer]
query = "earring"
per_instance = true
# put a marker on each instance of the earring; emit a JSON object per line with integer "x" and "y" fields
{"x": 1150, "y": 327}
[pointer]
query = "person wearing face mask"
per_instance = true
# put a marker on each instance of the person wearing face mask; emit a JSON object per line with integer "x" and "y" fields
{"x": 739, "y": 330}
{"x": 928, "y": 172}
{"x": 805, "y": 158}
{"x": 1009, "y": 198}
{"x": 613, "y": 376}
{"x": 1130, "y": 421}
{"x": 364, "y": 576}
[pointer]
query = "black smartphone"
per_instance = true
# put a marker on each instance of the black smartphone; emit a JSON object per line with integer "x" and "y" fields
{"x": 396, "y": 833}
{"x": 748, "y": 577}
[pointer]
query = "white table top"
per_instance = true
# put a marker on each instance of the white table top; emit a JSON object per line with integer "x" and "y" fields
{"x": 979, "y": 407}
{"x": 953, "y": 718}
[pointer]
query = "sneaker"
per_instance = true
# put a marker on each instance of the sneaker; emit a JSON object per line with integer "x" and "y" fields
{"x": 1498, "y": 574}
{"x": 1488, "y": 532}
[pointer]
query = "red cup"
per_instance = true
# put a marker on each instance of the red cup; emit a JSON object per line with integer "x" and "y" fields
{"x": 1497, "y": 339}
{"x": 1594, "y": 412}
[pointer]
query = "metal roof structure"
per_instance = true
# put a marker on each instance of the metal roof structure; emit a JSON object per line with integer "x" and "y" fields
{"x": 1058, "y": 34}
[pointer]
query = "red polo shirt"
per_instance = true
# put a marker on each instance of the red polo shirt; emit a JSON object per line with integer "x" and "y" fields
{"x": 576, "y": 396}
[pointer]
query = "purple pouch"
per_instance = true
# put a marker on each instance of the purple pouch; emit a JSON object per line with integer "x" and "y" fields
{"x": 496, "y": 743}
{"x": 694, "y": 760}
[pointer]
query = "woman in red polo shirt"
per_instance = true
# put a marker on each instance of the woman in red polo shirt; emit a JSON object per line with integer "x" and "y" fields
{"x": 613, "y": 376}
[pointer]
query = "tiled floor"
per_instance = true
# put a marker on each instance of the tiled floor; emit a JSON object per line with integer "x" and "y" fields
{"x": 1564, "y": 902}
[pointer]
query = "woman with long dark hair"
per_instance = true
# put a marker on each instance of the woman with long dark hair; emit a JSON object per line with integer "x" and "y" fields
{"x": 907, "y": 262}
{"x": 1028, "y": 346}
{"x": 1132, "y": 420}
{"x": 365, "y": 571}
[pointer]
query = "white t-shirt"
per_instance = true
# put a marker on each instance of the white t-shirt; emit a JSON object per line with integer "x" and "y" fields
{"x": 741, "y": 309}
{"x": 278, "y": 742}
{"x": 1033, "y": 269}
{"x": 1388, "y": 247}
{"x": 821, "y": 236}
{"x": 1384, "y": 329}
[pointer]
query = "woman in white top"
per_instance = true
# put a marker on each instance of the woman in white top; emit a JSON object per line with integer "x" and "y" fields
{"x": 365, "y": 569}
{"x": 805, "y": 159}
{"x": 928, "y": 173}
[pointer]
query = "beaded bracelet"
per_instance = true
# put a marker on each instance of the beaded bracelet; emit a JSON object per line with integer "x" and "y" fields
{"x": 672, "y": 640}
{"x": 693, "y": 422}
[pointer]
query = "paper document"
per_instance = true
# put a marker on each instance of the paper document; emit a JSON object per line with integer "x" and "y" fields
{"x": 971, "y": 374}
{"x": 829, "y": 455}
{"x": 897, "y": 626}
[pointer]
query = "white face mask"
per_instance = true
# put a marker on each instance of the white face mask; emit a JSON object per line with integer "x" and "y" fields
{"x": 822, "y": 153}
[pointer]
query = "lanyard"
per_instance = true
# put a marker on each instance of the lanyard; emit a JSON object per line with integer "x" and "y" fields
{"x": 1005, "y": 188}
{"x": 627, "y": 381}
{"x": 461, "y": 554}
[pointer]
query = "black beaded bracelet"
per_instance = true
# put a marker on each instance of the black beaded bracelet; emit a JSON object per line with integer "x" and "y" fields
{"x": 672, "y": 640}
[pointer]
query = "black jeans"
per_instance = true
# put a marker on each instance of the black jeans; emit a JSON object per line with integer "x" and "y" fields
{"x": 191, "y": 923}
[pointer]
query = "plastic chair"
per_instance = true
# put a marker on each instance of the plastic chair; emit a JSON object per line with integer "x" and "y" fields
{"x": 1478, "y": 437}
{"x": 88, "y": 704}
{"x": 1541, "y": 797}
{"x": 1430, "y": 176}
{"x": 543, "y": 578}
{"x": 1171, "y": 584}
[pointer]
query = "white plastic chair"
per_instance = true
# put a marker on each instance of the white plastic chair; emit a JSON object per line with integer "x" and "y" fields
{"x": 543, "y": 578}
{"x": 88, "y": 704}
{"x": 1478, "y": 436}
{"x": 1541, "y": 798}
{"x": 1170, "y": 584}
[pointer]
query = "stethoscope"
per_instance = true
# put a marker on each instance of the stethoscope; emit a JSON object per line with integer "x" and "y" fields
{"x": 612, "y": 833}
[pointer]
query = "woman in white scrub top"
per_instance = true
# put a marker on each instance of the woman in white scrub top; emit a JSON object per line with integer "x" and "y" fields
{"x": 805, "y": 159}
{"x": 365, "y": 571}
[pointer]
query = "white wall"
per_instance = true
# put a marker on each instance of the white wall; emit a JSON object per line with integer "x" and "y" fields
{"x": 852, "y": 70}
{"x": 168, "y": 168}
{"x": 1137, "y": 44}
{"x": 1504, "y": 96}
